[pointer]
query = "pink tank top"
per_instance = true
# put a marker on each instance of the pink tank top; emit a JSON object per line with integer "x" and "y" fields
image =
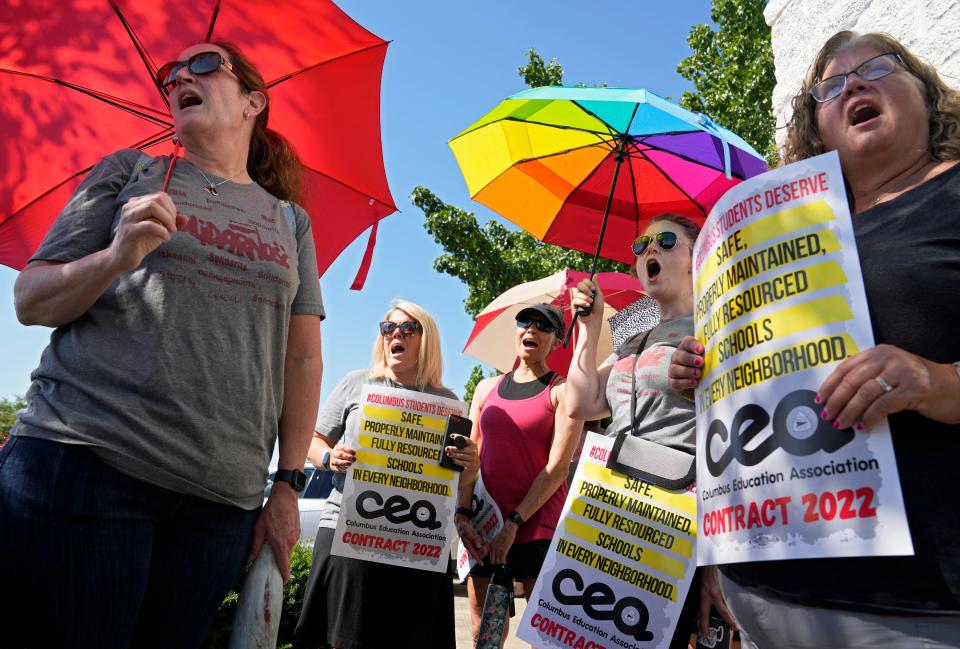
{"x": 516, "y": 444}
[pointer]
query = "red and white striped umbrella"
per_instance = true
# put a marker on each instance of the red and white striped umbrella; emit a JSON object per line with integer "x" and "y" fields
{"x": 491, "y": 340}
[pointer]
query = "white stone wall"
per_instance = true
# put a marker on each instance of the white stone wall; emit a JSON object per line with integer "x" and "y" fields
{"x": 929, "y": 28}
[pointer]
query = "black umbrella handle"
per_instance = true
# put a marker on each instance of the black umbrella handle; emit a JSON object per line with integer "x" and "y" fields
{"x": 583, "y": 311}
{"x": 579, "y": 311}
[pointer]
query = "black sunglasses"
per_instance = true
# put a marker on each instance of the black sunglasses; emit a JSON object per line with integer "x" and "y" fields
{"x": 541, "y": 325}
{"x": 666, "y": 240}
{"x": 200, "y": 63}
{"x": 407, "y": 329}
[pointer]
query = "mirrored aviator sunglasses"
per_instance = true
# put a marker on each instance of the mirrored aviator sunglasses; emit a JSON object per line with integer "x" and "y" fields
{"x": 541, "y": 325}
{"x": 200, "y": 63}
{"x": 666, "y": 241}
{"x": 407, "y": 329}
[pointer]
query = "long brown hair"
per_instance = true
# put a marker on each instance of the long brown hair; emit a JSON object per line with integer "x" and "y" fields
{"x": 803, "y": 139}
{"x": 271, "y": 162}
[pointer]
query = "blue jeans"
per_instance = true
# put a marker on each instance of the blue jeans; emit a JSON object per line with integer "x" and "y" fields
{"x": 90, "y": 557}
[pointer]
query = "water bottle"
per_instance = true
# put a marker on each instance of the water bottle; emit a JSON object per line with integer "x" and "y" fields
{"x": 496, "y": 607}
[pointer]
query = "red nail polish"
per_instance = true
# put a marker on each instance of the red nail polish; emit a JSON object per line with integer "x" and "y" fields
{"x": 860, "y": 425}
{"x": 817, "y": 398}
{"x": 699, "y": 349}
{"x": 836, "y": 424}
{"x": 696, "y": 373}
{"x": 691, "y": 382}
{"x": 698, "y": 361}
{"x": 823, "y": 414}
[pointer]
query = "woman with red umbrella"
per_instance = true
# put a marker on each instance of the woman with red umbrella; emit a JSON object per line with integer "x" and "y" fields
{"x": 186, "y": 311}
{"x": 632, "y": 386}
{"x": 526, "y": 443}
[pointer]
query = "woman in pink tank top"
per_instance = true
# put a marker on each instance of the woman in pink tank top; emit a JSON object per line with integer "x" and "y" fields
{"x": 526, "y": 444}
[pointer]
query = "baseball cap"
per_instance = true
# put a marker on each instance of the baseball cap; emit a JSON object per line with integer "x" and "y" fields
{"x": 553, "y": 315}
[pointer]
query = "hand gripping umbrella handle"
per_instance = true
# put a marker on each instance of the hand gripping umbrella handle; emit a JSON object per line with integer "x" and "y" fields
{"x": 583, "y": 311}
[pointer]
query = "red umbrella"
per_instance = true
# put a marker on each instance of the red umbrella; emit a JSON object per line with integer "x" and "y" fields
{"x": 77, "y": 81}
{"x": 491, "y": 340}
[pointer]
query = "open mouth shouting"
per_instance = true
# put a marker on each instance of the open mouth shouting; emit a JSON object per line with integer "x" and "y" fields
{"x": 397, "y": 348}
{"x": 530, "y": 342}
{"x": 862, "y": 112}
{"x": 187, "y": 99}
{"x": 653, "y": 268}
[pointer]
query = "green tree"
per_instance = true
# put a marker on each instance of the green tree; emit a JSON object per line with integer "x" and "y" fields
{"x": 8, "y": 413}
{"x": 476, "y": 375}
{"x": 491, "y": 258}
{"x": 732, "y": 70}
{"x": 535, "y": 73}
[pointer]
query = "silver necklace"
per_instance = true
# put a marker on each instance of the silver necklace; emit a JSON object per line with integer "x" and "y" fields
{"x": 211, "y": 187}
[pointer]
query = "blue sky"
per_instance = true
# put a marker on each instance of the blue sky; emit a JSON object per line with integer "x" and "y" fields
{"x": 449, "y": 62}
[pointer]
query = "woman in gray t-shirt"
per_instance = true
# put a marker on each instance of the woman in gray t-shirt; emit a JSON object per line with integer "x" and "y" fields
{"x": 639, "y": 375}
{"x": 186, "y": 311}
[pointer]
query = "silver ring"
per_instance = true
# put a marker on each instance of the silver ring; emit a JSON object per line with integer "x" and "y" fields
{"x": 886, "y": 387}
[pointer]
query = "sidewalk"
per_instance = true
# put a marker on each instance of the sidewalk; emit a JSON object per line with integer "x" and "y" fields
{"x": 462, "y": 616}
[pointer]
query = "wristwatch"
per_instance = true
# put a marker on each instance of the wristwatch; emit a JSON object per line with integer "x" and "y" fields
{"x": 464, "y": 511}
{"x": 325, "y": 461}
{"x": 515, "y": 518}
{"x": 294, "y": 477}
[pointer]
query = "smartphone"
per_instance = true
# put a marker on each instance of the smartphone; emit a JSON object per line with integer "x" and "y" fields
{"x": 458, "y": 428}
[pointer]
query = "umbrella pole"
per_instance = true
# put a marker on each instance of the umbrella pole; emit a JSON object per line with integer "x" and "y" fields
{"x": 173, "y": 161}
{"x": 621, "y": 154}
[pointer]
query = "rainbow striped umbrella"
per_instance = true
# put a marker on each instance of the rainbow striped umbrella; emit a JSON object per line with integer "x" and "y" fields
{"x": 569, "y": 164}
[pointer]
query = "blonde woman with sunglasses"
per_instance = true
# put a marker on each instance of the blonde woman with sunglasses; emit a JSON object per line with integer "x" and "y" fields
{"x": 362, "y": 604}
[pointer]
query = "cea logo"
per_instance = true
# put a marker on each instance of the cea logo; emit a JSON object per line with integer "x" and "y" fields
{"x": 477, "y": 503}
{"x": 797, "y": 429}
{"x": 629, "y": 614}
{"x": 397, "y": 509}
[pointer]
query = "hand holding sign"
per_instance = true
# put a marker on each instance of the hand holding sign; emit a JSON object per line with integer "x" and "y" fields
{"x": 886, "y": 379}
{"x": 686, "y": 366}
{"x": 341, "y": 457}
{"x": 473, "y": 541}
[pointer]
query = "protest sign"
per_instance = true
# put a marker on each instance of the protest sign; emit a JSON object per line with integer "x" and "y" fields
{"x": 778, "y": 303}
{"x": 486, "y": 519}
{"x": 620, "y": 564}
{"x": 398, "y": 502}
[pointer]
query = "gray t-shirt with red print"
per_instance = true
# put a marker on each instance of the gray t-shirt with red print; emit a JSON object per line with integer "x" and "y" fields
{"x": 175, "y": 374}
{"x": 661, "y": 416}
